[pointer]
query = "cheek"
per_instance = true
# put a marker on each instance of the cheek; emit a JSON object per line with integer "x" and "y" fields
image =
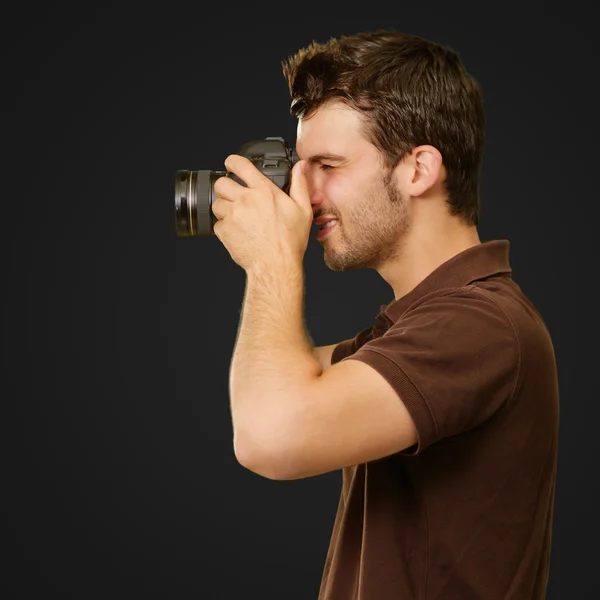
{"x": 339, "y": 190}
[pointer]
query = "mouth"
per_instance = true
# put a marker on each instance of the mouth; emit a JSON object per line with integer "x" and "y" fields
{"x": 326, "y": 229}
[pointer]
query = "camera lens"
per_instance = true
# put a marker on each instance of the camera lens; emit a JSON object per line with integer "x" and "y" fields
{"x": 193, "y": 201}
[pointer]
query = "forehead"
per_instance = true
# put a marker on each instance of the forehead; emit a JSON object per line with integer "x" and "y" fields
{"x": 334, "y": 128}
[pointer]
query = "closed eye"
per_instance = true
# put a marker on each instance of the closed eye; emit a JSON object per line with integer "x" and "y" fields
{"x": 325, "y": 167}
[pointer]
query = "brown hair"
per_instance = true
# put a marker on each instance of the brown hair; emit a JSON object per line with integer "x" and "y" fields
{"x": 410, "y": 91}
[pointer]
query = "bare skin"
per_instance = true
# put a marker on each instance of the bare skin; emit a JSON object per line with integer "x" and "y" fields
{"x": 396, "y": 223}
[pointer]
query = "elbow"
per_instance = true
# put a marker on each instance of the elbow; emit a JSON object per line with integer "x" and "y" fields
{"x": 264, "y": 456}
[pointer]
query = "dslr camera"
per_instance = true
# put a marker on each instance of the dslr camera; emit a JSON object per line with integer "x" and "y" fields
{"x": 194, "y": 190}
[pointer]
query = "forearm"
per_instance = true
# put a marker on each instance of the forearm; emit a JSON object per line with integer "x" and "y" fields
{"x": 273, "y": 361}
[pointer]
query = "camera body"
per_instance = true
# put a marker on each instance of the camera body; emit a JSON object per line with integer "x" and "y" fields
{"x": 194, "y": 190}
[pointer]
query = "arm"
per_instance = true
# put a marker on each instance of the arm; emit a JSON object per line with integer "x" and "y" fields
{"x": 291, "y": 418}
{"x": 273, "y": 359}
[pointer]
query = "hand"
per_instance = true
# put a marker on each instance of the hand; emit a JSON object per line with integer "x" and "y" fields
{"x": 260, "y": 224}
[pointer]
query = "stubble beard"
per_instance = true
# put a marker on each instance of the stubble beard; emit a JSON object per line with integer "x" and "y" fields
{"x": 372, "y": 233}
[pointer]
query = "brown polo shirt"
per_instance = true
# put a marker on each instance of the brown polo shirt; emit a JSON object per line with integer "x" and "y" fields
{"x": 466, "y": 513}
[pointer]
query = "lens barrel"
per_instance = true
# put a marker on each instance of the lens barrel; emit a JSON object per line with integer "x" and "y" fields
{"x": 193, "y": 202}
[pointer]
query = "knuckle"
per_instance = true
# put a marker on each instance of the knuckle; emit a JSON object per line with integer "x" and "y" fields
{"x": 218, "y": 184}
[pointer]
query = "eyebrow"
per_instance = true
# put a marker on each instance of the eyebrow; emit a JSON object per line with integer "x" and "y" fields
{"x": 326, "y": 156}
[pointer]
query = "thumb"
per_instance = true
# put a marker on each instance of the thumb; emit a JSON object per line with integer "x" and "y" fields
{"x": 299, "y": 185}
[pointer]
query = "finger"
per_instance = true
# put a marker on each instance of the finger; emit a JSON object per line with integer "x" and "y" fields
{"x": 217, "y": 230}
{"x": 299, "y": 186}
{"x": 220, "y": 207}
{"x": 227, "y": 188}
{"x": 246, "y": 171}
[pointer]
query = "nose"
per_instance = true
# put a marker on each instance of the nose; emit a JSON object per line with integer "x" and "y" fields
{"x": 314, "y": 189}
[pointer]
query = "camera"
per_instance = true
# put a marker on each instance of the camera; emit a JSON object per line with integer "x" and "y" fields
{"x": 194, "y": 190}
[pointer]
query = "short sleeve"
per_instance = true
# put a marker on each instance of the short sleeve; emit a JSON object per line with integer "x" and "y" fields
{"x": 347, "y": 347}
{"x": 453, "y": 360}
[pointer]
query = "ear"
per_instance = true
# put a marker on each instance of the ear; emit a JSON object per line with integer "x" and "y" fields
{"x": 426, "y": 169}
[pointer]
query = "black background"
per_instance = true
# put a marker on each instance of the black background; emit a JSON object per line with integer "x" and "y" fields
{"x": 117, "y": 335}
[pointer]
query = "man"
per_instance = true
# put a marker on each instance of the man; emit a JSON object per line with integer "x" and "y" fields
{"x": 443, "y": 415}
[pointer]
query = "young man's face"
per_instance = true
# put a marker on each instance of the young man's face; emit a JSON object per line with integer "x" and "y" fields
{"x": 351, "y": 187}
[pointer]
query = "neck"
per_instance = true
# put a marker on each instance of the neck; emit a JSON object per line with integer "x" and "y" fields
{"x": 424, "y": 249}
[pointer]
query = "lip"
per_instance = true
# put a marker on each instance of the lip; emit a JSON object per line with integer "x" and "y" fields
{"x": 321, "y": 233}
{"x": 322, "y": 220}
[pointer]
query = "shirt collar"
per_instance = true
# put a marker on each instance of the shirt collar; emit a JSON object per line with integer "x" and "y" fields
{"x": 475, "y": 263}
